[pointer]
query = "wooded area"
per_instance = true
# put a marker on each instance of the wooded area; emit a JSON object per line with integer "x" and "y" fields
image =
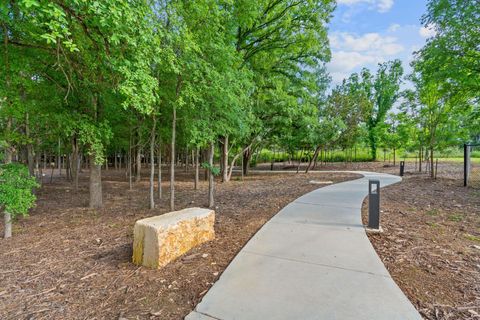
{"x": 113, "y": 111}
{"x": 141, "y": 84}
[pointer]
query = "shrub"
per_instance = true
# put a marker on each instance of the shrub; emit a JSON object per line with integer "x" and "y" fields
{"x": 16, "y": 187}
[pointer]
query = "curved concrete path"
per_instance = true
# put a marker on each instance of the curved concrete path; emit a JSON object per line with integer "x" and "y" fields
{"x": 312, "y": 260}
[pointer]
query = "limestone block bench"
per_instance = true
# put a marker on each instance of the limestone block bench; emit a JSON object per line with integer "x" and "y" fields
{"x": 161, "y": 239}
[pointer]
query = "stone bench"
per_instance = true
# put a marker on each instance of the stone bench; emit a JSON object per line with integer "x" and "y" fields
{"x": 161, "y": 239}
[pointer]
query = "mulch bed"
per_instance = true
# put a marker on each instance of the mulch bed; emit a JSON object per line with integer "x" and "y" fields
{"x": 431, "y": 244}
{"x": 69, "y": 262}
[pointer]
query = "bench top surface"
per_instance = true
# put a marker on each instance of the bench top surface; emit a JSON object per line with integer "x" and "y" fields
{"x": 174, "y": 217}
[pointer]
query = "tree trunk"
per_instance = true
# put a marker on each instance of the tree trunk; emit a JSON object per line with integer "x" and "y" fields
{"x": 6, "y": 215}
{"x": 197, "y": 167}
{"x": 394, "y": 157}
{"x": 225, "y": 159}
{"x": 159, "y": 178}
{"x": 30, "y": 159}
{"x": 68, "y": 173}
{"x": 138, "y": 176}
{"x": 211, "y": 179}
{"x": 130, "y": 178}
{"x": 420, "y": 153}
{"x": 95, "y": 185}
{"x": 247, "y": 156}
{"x": 59, "y": 158}
{"x": 313, "y": 159}
{"x": 300, "y": 161}
{"x": 172, "y": 161}
{"x": 432, "y": 165}
{"x": 8, "y": 225}
{"x": 373, "y": 145}
{"x": 75, "y": 163}
{"x": 152, "y": 165}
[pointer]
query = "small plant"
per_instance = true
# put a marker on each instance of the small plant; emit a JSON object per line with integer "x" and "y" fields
{"x": 472, "y": 237}
{"x": 432, "y": 212}
{"x": 215, "y": 170}
{"x": 16, "y": 196}
{"x": 455, "y": 217}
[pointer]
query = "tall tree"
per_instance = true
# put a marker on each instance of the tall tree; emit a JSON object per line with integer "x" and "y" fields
{"x": 382, "y": 91}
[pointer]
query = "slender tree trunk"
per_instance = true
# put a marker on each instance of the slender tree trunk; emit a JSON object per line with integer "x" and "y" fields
{"x": 138, "y": 176}
{"x": 8, "y": 225}
{"x": 225, "y": 159}
{"x": 75, "y": 162}
{"x": 159, "y": 181}
{"x": 30, "y": 159}
{"x": 59, "y": 158}
{"x": 313, "y": 159}
{"x": 394, "y": 156}
{"x": 68, "y": 173}
{"x": 152, "y": 165}
{"x": 8, "y": 129}
{"x": 211, "y": 179}
{"x": 44, "y": 160}
{"x": 247, "y": 156}
{"x": 172, "y": 161}
{"x": 373, "y": 145}
{"x": 197, "y": 167}
{"x": 420, "y": 154}
{"x": 432, "y": 164}
{"x": 130, "y": 178}
{"x": 6, "y": 215}
{"x": 95, "y": 184}
{"x": 300, "y": 161}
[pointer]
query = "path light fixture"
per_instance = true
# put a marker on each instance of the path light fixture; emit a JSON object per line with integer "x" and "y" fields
{"x": 374, "y": 204}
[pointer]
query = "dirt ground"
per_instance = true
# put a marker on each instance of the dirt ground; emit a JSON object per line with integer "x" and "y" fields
{"x": 431, "y": 244}
{"x": 69, "y": 262}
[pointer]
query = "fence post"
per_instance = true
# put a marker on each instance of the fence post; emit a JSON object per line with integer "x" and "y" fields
{"x": 466, "y": 164}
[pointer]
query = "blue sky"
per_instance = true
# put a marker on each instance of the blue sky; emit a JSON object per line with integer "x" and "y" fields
{"x": 364, "y": 33}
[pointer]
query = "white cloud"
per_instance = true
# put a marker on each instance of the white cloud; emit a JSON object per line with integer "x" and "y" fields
{"x": 379, "y": 5}
{"x": 394, "y": 27}
{"x": 427, "y": 32}
{"x": 350, "y": 52}
{"x": 372, "y": 43}
{"x": 344, "y": 61}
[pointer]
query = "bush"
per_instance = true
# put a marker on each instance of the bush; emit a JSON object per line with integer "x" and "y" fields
{"x": 16, "y": 187}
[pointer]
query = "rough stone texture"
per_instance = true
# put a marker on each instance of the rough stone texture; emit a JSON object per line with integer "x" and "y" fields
{"x": 161, "y": 239}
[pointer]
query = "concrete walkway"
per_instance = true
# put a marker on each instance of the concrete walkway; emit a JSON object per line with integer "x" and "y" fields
{"x": 312, "y": 260}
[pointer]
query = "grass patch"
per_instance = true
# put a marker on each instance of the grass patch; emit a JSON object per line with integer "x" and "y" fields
{"x": 455, "y": 218}
{"x": 432, "y": 212}
{"x": 472, "y": 237}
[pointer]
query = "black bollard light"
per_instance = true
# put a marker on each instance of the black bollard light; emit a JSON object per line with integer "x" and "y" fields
{"x": 374, "y": 204}
{"x": 402, "y": 168}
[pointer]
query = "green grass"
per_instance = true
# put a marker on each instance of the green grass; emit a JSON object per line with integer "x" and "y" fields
{"x": 455, "y": 218}
{"x": 472, "y": 237}
{"x": 454, "y": 155}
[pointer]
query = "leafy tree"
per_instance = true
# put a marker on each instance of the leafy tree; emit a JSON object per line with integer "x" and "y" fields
{"x": 16, "y": 196}
{"x": 452, "y": 55}
{"x": 382, "y": 91}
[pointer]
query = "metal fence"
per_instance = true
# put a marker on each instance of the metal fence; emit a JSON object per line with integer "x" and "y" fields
{"x": 471, "y": 165}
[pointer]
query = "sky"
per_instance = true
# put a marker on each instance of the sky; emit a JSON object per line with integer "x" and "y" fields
{"x": 364, "y": 33}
